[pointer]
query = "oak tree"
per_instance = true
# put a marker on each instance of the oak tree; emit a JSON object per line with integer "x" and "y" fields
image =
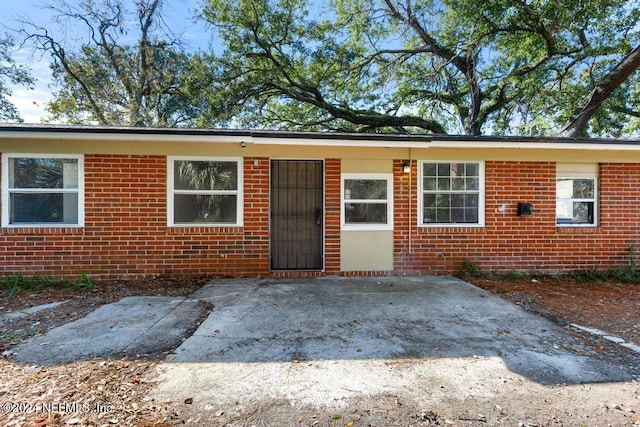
{"x": 11, "y": 73}
{"x": 523, "y": 67}
{"x": 127, "y": 70}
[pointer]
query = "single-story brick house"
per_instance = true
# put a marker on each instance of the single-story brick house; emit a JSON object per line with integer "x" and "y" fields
{"x": 131, "y": 202}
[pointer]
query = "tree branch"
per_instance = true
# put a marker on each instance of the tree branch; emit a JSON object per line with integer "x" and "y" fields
{"x": 577, "y": 123}
{"x": 47, "y": 43}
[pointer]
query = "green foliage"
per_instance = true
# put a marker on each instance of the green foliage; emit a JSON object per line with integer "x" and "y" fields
{"x": 472, "y": 269}
{"x": 427, "y": 66}
{"x": 10, "y": 73}
{"x": 336, "y": 420}
{"x": 127, "y": 72}
{"x": 84, "y": 282}
{"x": 624, "y": 273}
{"x": 514, "y": 275}
{"x": 12, "y": 284}
{"x": 418, "y": 66}
{"x": 589, "y": 275}
{"x": 7, "y": 337}
{"x": 631, "y": 253}
{"x": 95, "y": 92}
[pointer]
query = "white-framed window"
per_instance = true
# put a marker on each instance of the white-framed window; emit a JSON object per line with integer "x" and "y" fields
{"x": 42, "y": 190}
{"x": 451, "y": 193}
{"x": 367, "y": 201}
{"x": 577, "y": 195}
{"x": 204, "y": 191}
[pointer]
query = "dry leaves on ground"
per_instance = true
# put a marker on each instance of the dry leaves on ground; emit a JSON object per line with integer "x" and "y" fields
{"x": 609, "y": 306}
{"x": 90, "y": 393}
{"x": 113, "y": 392}
{"x": 80, "y": 303}
{"x": 93, "y": 393}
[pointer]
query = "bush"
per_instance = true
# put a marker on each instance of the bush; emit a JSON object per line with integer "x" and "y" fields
{"x": 15, "y": 283}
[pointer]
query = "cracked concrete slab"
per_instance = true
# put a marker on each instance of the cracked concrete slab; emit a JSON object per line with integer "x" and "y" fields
{"x": 132, "y": 326}
{"x": 273, "y": 321}
{"x": 31, "y": 310}
{"x": 608, "y": 337}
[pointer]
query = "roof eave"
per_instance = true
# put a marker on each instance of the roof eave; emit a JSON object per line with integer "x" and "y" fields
{"x": 269, "y": 137}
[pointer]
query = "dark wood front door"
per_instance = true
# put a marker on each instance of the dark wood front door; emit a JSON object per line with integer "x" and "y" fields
{"x": 296, "y": 214}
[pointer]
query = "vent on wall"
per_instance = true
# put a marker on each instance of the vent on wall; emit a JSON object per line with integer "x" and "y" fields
{"x": 525, "y": 209}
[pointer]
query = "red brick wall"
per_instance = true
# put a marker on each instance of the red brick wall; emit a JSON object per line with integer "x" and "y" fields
{"x": 508, "y": 242}
{"x": 126, "y": 233}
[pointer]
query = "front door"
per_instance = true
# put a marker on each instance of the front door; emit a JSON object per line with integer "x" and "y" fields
{"x": 296, "y": 214}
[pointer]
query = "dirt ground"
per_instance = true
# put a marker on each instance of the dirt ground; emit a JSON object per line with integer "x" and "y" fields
{"x": 609, "y": 306}
{"x": 116, "y": 392}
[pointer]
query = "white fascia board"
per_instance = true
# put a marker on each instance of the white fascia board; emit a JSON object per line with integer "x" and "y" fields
{"x": 520, "y": 145}
{"x": 331, "y": 142}
{"x": 216, "y": 139}
{"x": 171, "y": 137}
{"x": 128, "y": 137}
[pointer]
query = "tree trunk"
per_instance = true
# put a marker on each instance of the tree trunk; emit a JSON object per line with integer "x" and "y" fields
{"x": 577, "y": 123}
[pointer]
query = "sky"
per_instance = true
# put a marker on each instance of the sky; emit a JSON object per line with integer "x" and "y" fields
{"x": 31, "y": 103}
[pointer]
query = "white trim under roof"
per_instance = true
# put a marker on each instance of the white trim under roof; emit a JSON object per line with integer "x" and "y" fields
{"x": 290, "y": 138}
{"x": 128, "y": 137}
{"x": 208, "y": 138}
{"x": 545, "y": 145}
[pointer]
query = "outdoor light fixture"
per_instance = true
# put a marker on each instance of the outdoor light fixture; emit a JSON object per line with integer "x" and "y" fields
{"x": 525, "y": 209}
{"x": 406, "y": 167}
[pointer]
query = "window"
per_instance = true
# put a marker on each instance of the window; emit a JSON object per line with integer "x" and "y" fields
{"x": 205, "y": 191}
{"x": 576, "y": 195}
{"x": 367, "y": 201}
{"x": 42, "y": 190}
{"x": 451, "y": 193}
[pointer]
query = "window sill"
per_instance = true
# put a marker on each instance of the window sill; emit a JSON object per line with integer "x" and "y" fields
{"x": 367, "y": 227}
{"x": 42, "y": 226}
{"x": 207, "y": 225}
{"x": 451, "y": 225}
